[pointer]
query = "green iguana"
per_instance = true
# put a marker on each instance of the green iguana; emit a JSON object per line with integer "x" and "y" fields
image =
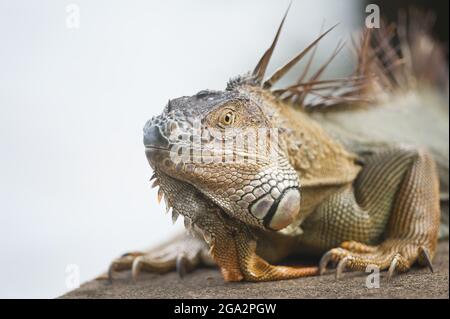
{"x": 352, "y": 169}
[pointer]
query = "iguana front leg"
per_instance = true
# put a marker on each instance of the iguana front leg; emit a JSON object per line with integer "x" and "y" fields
{"x": 233, "y": 247}
{"x": 398, "y": 191}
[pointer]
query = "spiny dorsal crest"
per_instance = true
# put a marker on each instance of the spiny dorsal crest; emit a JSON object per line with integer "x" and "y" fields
{"x": 381, "y": 68}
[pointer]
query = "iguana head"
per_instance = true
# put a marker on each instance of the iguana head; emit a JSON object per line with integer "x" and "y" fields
{"x": 226, "y": 145}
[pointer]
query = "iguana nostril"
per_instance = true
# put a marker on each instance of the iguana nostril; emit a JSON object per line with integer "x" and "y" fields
{"x": 154, "y": 138}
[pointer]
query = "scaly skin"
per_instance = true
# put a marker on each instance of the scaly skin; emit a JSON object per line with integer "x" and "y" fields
{"x": 313, "y": 186}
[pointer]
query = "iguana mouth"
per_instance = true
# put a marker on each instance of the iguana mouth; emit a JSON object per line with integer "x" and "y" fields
{"x": 150, "y": 148}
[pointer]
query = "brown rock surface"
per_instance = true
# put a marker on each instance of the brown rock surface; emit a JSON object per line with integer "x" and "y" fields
{"x": 208, "y": 283}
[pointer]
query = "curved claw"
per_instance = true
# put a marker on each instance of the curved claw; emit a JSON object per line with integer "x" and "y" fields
{"x": 181, "y": 265}
{"x": 392, "y": 267}
{"x": 341, "y": 267}
{"x": 427, "y": 258}
{"x": 324, "y": 261}
{"x": 111, "y": 269}
{"x": 136, "y": 267}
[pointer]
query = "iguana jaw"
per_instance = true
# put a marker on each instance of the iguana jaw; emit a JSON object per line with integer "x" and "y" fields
{"x": 275, "y": 213}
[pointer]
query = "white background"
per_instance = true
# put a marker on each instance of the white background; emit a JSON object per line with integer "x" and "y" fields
{"x": 73, "y": 176}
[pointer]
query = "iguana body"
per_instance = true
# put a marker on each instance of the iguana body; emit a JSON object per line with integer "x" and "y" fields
{"x": 346, "y": 181}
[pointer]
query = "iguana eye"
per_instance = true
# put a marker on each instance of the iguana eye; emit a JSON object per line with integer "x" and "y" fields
{"x": 227, "y": 118}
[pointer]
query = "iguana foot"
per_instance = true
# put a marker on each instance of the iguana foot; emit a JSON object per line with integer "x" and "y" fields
{"x": 183, "y": 254}
{"x": 393, "y": 254}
